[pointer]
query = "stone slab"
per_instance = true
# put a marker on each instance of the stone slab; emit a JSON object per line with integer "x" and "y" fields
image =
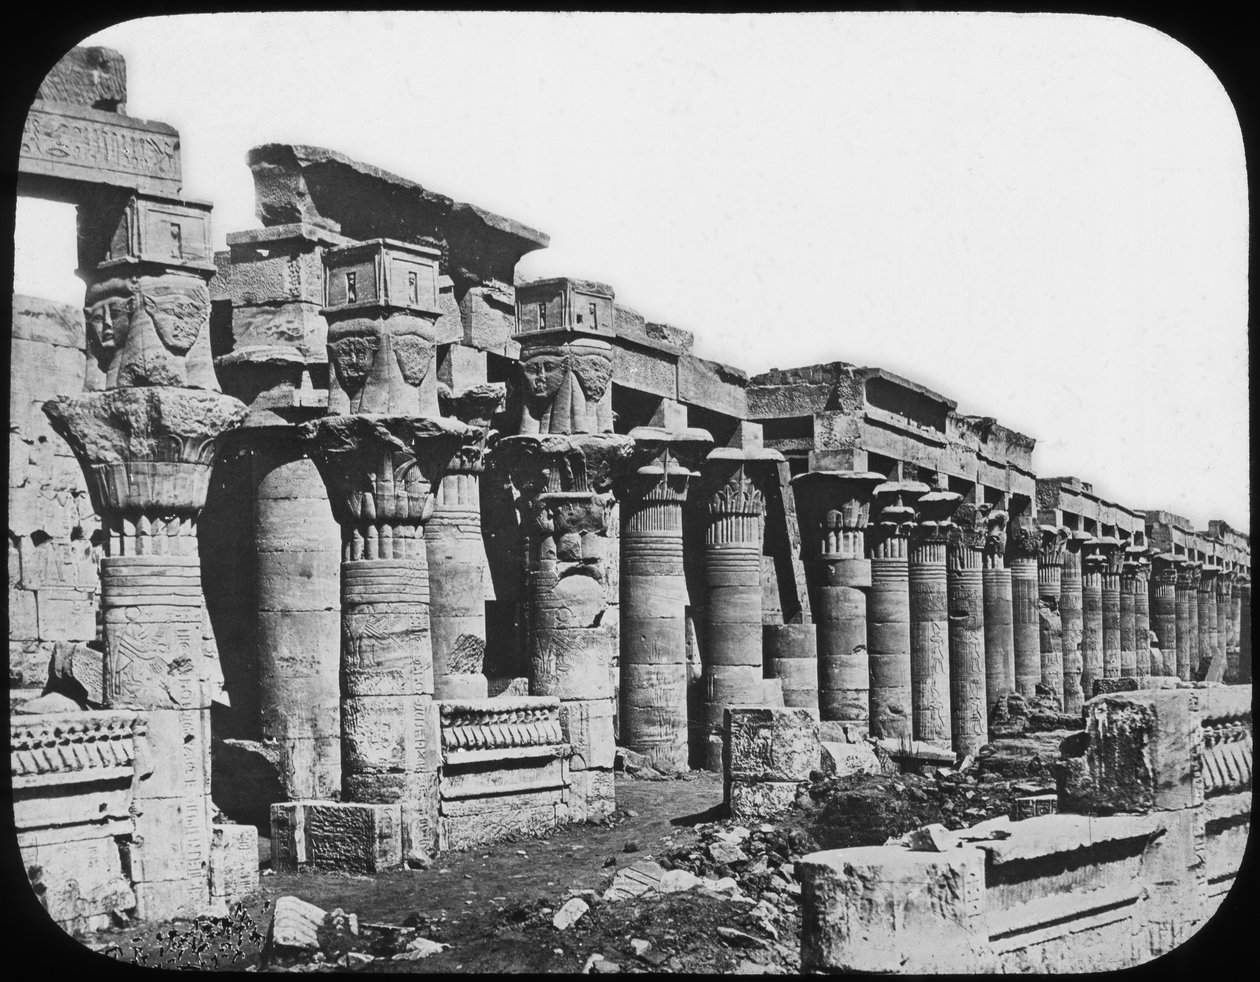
{"x": 351, "y": 837}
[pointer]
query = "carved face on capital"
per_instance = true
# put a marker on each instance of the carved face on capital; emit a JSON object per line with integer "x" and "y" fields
{"x": 142, "y": 327}
{"x": 542, "y": 371}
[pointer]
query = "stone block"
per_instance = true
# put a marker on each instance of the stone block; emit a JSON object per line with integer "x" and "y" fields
{"x": 842, "y": 759}
{"x": 887, "y": 909}
{"x": 507, "y": 688}
{"x": 646, "y": 370}
{"x": 592, "y": 796}
{"x": 66, "y": 614}
{"x": 1143, "y": 754}
{"x": 48, "y": 322}
{"x": 771, "y": 744}
{"x": 233, "y": 861}
{"x": 159, "y": 900}
{"x": 77, "y": 880}
{"x": 90, "y": 76}
{"x": 170, "y": 836}
{"x": 488, "y": 314}
{"x": 350, "y": 837}
{"x": 751, "y": 800}
{"x": 23, "y": 617}
{"x": 78, "y": 671}
{"x": 29, "y": 663}
{"x": 512, "y": 774}
{"x": 587, "y": 726}
{"x": 712, "y": 385}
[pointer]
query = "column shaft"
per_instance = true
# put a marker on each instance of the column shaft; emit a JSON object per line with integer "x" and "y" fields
{"x": 654, "y": 633}
{"x": 1187, "y": 626}
{"x": 1128, "y": 624}
{"x": 929, "y": 641}
{"x": 1071, "y": 613}
{"x": 297, "y": 604}
{"x": 969, "y": 719}
{"x": 888, "y": 630}
{"x": 1142, "y": 626}
{"x": 1244, "y": 632}
{"x": 1164, "y": 620}
{"x": 1091, "y": 624}
{"x": 1027, "y": 629}
{"x": 1111, "y": 623}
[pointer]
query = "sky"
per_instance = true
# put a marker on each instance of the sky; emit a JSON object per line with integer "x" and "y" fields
{"x": 1042, "y": 217}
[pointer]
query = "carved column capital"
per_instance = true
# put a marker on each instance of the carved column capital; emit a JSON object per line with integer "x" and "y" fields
{"x": 1165, "y": 568}
{"x": 147, "y": 455}
{"x": 833, "y": 508}
{"x": 892, "y": 519}
{"x": 474, "y": 406}
{"x": 1207, "y": 578}
{"x": 967, "y": 537}
{"x": 380, "y": 473}
{"x": 563, "y": 381}
{"x": 996, "y": 521}
{"x": 1054, "y": 540}
{"x": 662, "y": 464}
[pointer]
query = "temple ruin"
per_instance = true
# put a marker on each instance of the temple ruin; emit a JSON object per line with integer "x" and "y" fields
{"x": 346, "y": 536}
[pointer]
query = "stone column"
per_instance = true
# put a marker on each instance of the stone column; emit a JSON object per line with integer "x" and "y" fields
{"x": 1244, "y": 630}
{"x": 1092, "y": 565}
{"x": 1208, "y": 626}
{"x": 969, "y": 720}
{"x": 999, "y": 630}
{"x": 1109, "y": 548}
{"x": 1049, "y": 578}
{"x": 566, "y": 487}
{"x": 1071, "y": 603}
{"x": 653, "y": 712}
{"x": 834, "y": 510}
{"x": 1234, "y": 671}
{"x": 1188, "y": 619}
{"x": 888, "y": 613}
{"x": 731, "y": 649}
{"x": 1142, "y": 618}
{"x": 145, "y": 438}
{"x": 296, "y": 613}
{"x": 147, "y": 454}
{"x": 929, "y": 617}
{"x": 1164, "y": 612}
{"x": 380, "y": 471}
{"x": 1128, "y": 616}
{"x": 457, "y": 554}
{"x": 1025, "y": 544}
{"x": 1224, "y": 599}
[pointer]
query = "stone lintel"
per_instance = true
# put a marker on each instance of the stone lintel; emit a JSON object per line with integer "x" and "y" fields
{"x": 78, "y": 148}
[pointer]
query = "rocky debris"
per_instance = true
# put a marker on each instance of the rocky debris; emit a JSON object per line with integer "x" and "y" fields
{"x": 842, "y": 759}
{"x": 420, "y": 948}
{"x": 931, "y": 838}
{"x": 570, "y": 913}
{"x": 635, "y": 880}
{"x": 1017, "y": 715}
{"x": 635, "y": 765}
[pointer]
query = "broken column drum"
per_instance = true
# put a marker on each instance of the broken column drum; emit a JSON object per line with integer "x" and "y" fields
{"x": 731, "y": 651}
{"x": 1110, "y": 548}
{"x": 1187, "y": 619}
{"x": 457, "y": 554}
{"x": 999, "y": 630}
{"x": 1025, "y": 544}
{"x": 1071, "y": 601}
{"x": 891, "y": 707}
{"x": 1163, "y": 592}
{"x": 1142, "y": 618}
{"x": 146, "y": 445}
{"x": 834, "y": 509}
{"x": 1208, "y": 628}
{"x": 929, "y": 617}
{"x": 653, "y": 694}
{"x": 1049, "y": 576}
{"x": 1128, "y": 618}
{"x": 969, "y": 719}
{"x": 1092, "y": 566}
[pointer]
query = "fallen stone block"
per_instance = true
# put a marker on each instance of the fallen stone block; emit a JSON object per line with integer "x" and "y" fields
{"x": 762, "y": 799}
{"x": 350, "y": 837}
{"x": 842, "y": 759}
{"x": 570, "y": 913}
{"x": 635, "y": 880}
{"x": 939, "y": 899}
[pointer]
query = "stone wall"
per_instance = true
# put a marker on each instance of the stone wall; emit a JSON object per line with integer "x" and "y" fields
{"x": 1162, "y": 794}
{"x": 53, "y": 577}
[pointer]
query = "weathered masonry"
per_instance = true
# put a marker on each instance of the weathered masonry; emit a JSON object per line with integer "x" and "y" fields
{"x": 351, "y": 534}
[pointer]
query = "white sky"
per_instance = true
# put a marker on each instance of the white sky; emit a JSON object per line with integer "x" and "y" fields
{"x": 1043, "y": 217}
